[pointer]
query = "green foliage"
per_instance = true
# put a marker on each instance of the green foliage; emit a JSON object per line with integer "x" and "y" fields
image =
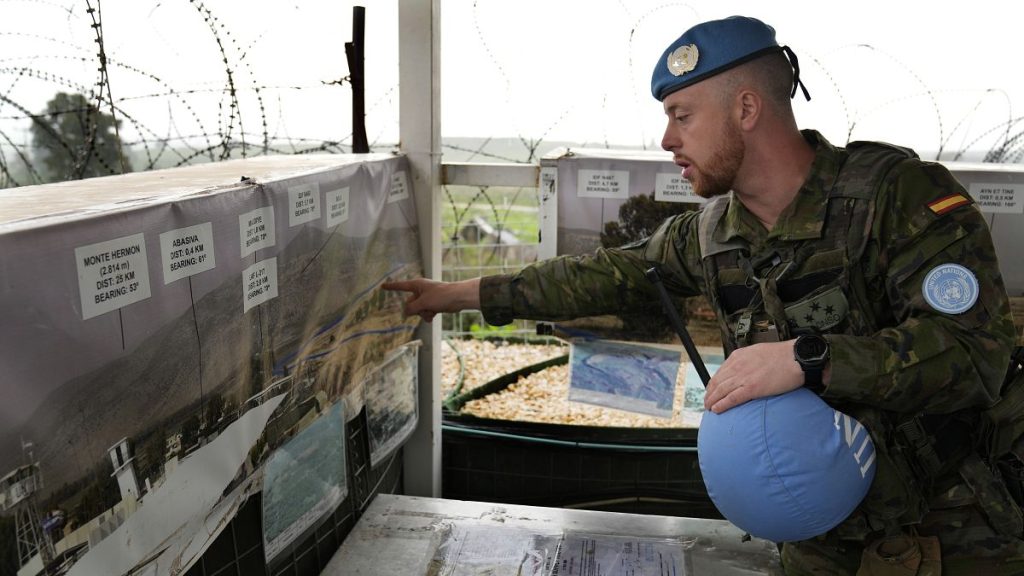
{"x": 15, "y": 172}
{"x": 639, "y": 217}
{"x": 72, "y": 139}
{"x": 487, "y": 331}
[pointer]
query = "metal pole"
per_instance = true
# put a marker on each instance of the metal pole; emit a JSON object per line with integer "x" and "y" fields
{"x": 355, "y": 54}
{"x": 419, "y": 58}
{"x": 677, "y": 324}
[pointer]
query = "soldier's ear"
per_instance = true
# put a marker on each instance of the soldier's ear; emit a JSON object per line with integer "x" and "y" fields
{"x": 750, "y": 106}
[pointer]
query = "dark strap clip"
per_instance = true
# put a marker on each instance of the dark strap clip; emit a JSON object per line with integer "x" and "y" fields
{"x": 912, "y": 435}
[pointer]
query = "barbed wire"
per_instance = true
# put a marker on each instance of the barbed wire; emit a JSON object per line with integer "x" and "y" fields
{"x": 241, "y": 113}
{"x": 238, "y": 113}
{"x": 21, "y": 157}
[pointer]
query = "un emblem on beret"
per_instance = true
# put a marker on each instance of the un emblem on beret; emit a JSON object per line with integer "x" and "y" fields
{"x": 683, "y": 59}
{"x": 950, "y": 288}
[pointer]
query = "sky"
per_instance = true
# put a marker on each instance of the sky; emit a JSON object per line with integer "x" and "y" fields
{"x": 901, "y": 71}
{"x": 923, "y": 74}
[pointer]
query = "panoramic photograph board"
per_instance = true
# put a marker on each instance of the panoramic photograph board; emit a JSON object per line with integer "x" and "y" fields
{"x": 174, "y": 336}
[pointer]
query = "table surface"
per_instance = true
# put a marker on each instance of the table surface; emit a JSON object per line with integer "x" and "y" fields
{"x": 409, "y": 535}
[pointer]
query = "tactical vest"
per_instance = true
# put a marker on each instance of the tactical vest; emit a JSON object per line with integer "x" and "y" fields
{"x": 813, "y": 285}
{"x": 818, "y": 285}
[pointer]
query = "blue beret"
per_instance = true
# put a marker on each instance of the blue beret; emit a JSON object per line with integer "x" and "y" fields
{"x": 710, "y": 48}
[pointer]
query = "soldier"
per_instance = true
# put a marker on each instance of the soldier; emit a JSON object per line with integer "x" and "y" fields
{"x": 861, "y": 273}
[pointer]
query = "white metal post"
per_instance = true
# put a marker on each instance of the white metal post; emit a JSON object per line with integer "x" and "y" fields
{"x": 419, "y": 115}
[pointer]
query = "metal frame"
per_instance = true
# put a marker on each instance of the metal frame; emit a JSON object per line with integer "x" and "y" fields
{"x": 419, "y": 112}
{"x": 496, "y": 174}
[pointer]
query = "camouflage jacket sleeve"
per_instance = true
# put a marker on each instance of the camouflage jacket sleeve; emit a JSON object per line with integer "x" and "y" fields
{"x": 608, "y": 281}
{"x": 923, "y": 359}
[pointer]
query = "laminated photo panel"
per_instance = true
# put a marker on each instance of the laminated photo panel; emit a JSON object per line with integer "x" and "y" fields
{"x": 391, "y": 396}
{"x": 624, "y": 376}
{"x": 304, "y": 480}
{"x": 147, "y": 314}
{"x": 583, "y": 188}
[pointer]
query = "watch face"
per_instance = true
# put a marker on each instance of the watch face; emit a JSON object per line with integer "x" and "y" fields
{"x": 811, "y": 347}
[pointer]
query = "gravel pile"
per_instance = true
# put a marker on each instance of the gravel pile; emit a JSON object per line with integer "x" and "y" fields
{"x": 485, "y": 360}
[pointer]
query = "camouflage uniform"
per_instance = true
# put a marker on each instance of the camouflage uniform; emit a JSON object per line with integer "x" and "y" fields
{"x": 894, "y": 359}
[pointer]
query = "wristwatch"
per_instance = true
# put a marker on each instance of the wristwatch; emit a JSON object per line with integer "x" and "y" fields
{"x": 811, "y": 351}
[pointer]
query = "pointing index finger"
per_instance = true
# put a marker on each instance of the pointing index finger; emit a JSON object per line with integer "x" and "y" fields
{"x": 403, "y": 285}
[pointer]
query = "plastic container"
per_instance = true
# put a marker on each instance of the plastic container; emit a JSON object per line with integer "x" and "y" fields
{"x": 637, "y": 470}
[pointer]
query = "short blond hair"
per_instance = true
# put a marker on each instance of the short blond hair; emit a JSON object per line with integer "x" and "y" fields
{"x": 770, "y": 75}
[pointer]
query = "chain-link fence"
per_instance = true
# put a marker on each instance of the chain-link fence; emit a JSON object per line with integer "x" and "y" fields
{"x": 91, "y": 88}
{"x": 487, "y": 230}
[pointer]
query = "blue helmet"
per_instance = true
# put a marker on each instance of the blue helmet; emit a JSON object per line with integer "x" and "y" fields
{"x": 787, "y": 467}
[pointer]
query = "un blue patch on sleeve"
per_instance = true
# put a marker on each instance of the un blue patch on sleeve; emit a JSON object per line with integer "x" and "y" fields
{"x": 950, "y": 288}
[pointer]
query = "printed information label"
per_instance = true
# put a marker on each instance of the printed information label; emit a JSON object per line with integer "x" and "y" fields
{"x": 674, "y": 188}
{"x": 256, "y": 230}
{"x": 187, "y": 251}
{"x": 999, "y": 198}
{"x": 337, "y": 206}
{"x": 304, "y": 203}
{"x": 259, "y": 283}
{"x": 112, "y": 274}
{"x": 602, "y": 184}
{"x": 399, "y": 187}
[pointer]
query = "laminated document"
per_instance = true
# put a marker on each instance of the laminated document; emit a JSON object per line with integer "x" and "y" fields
{"x": 625, "y": 376}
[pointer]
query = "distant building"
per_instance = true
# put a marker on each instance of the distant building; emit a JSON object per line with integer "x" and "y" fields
{"x": 173, "y": 446}
{"x": 504, "y": 244}
{"x": 124, "y": 470}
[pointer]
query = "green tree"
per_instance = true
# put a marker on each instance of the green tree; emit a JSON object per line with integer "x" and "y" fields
{"x": 72, "y": 139}
{"x": 639, "y": 217}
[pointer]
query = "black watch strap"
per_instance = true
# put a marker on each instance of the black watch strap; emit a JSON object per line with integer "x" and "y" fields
{"x": 812, "y": 352}
{"x": 813, "y": 380}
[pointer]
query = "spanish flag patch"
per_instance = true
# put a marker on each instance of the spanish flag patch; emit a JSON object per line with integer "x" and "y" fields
{"x": 947, "y": 203}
